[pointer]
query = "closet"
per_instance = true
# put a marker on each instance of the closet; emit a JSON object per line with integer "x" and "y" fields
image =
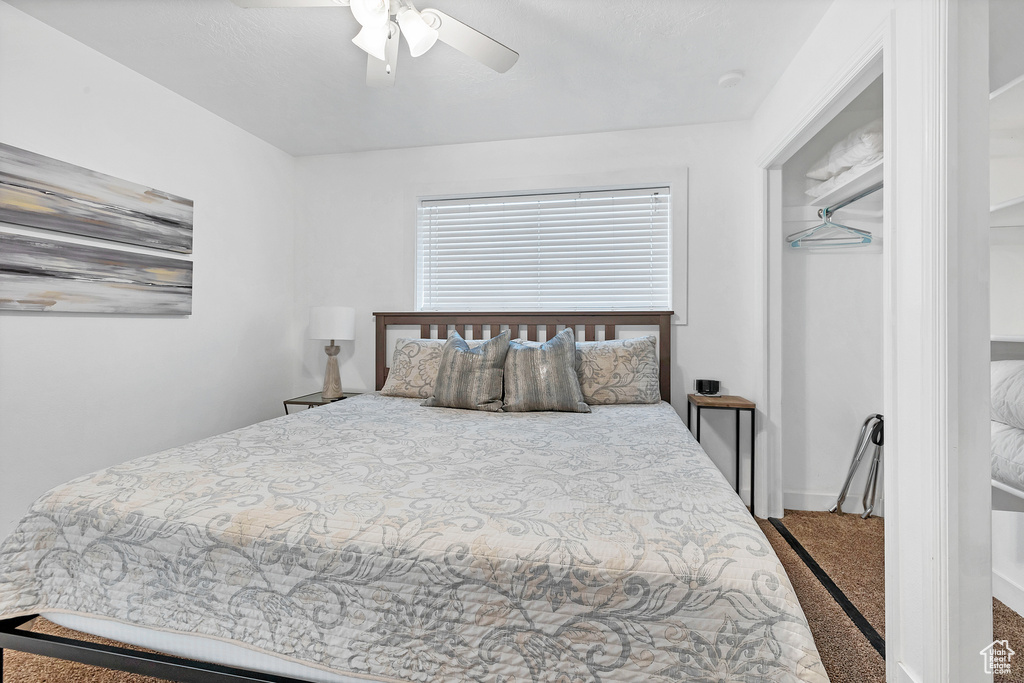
{"x": 832, "y": 336}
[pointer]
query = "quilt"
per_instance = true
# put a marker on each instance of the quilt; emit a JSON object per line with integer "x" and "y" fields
{"x": 385, "y": 540}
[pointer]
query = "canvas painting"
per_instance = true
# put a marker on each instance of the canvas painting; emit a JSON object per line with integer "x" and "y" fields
{"x": 37, "y": 274}
{"x": 40, "y": 192}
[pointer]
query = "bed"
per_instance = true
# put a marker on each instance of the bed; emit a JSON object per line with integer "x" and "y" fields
{"x": 375, "y": 539}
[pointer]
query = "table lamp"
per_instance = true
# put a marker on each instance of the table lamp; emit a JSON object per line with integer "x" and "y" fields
{"x": 334, "y": 323}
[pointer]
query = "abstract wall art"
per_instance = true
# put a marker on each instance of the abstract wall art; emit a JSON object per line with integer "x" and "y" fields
{"x": 41, "y": 192}
{"x": 43, "y": 275}
{"x": 80, "y": 241}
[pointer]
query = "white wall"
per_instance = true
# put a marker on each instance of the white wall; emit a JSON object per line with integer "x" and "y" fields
{"x": 79, "y": 392}
{"x": 1007, "y": 282}
{"x": 357, "y": 244}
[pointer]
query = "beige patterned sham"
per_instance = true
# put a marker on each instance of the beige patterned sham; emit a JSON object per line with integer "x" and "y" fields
{"x": 619, "y": 371}
{"x": 470, "y": 378}
{"x": 413, "y": 368}
{"x": 375, "y": 538}
{"x": 542, "y": 376}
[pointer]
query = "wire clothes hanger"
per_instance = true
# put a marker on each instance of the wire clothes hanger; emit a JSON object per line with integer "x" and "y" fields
{"x": 831, "y": 234}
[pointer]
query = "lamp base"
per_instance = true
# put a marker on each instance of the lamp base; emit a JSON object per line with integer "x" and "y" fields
{"x": 332, "y": 379}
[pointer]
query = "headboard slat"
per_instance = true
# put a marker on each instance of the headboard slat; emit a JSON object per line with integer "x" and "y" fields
{"x": 589, "y": 320}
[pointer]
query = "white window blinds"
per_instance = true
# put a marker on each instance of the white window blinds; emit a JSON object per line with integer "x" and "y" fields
{"x": 601, "y": 250}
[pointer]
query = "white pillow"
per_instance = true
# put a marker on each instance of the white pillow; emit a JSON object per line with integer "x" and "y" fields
{"x": 862, "y": 146}
{"x": 1008, "y": 455}
{"x": 1008, "y": 392}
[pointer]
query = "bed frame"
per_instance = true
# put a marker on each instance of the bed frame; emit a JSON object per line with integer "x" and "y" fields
{"x": 586, "y": 326}
{"x": 431, "y": 325}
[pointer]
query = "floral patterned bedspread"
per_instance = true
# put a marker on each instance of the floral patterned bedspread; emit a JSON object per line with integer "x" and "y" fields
{"x": 380, "y": 538}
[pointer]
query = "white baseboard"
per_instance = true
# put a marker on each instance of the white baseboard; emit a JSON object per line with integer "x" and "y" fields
{"x": 806, "y": 500}
{"x": 905, "y": 675}
{"x": 1008, "y": 592}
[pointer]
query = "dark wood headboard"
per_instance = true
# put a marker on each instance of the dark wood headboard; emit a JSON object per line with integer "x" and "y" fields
{"x": 585, "y": 325}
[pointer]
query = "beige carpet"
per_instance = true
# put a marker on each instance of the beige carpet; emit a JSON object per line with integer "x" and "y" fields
{"x": 847, "y": 655}
{"x": 849, "y": 549}
{"x": 852, "y": 553}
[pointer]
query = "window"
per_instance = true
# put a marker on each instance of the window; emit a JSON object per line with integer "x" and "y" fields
{"x": 588, "y": 250}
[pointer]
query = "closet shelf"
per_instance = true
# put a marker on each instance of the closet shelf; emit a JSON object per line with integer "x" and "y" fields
{"x": 1008, "y": 214}
{"x": 871, "y": 176}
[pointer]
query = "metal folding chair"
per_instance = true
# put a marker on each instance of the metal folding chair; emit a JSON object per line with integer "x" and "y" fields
{"x": 872, "y": 433}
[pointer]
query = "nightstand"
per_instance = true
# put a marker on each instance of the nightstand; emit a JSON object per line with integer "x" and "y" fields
{"x": 738, "y": 404}
{"x": 314, "y": 400}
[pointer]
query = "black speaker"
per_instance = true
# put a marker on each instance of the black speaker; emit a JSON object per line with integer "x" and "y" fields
{"x": 706, "y": 387}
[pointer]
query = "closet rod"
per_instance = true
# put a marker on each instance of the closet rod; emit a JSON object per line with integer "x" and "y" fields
{"x": 824, "y": 213}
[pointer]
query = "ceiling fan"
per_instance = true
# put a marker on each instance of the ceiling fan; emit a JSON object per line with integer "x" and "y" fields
{"x": 383, "y": 22}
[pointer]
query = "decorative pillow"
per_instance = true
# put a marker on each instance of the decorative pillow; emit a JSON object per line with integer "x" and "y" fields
{"x": 1008, "y": 392}
{"x": 542, "y": 376}
{"x": 619, "y": 371}
{"x": 413, "y": 368}
{"x": 470, "y": 378}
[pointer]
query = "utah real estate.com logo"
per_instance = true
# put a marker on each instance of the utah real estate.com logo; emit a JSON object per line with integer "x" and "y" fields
{"x": 997, "y": 657}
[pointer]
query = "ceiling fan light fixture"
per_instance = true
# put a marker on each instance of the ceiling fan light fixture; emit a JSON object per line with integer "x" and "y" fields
{"x": 371, "y": 13}
{"x": 418, "y": 34}
{"x": 373, "y": 41}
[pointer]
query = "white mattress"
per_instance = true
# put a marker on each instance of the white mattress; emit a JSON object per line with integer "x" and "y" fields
{"x": 196, "y": 647}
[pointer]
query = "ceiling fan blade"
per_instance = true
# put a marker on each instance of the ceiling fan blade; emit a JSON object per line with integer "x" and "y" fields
{"x": 290, "y": 3}
{"x": 471, "y": 42}
{"x": 381, "y": 74}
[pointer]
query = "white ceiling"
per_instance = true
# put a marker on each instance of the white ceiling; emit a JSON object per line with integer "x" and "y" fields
{"x": 293, "y": 78}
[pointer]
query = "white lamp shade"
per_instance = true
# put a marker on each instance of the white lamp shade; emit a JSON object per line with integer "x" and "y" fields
{"x": 373, "y": 41}
{"x": 419, "y": 36}
{"x": 371, "y": 13}
{"x": 332, "y": 322}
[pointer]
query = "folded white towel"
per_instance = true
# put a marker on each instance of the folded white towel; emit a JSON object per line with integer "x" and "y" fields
{"x": 854, "y": 150}
{"x": 820, "y": 189}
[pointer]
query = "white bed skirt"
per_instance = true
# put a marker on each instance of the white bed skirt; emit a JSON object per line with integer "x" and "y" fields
{"x": 196, "y": 647}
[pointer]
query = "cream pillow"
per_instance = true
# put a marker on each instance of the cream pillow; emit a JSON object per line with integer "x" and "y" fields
{"x": 414, "y": 367}
{"x": 619, "y": 371}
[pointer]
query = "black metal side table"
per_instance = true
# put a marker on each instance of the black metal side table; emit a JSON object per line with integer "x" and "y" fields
{"x": 313, "y": 400}
{"x": 738, "y": 404}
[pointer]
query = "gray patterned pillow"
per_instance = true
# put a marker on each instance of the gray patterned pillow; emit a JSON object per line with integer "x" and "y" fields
{"x": 413, "y": 368}
{"x": 619, "y": 371}
{"x": 542, "y": 376}
{"x": 470, "y": 378}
